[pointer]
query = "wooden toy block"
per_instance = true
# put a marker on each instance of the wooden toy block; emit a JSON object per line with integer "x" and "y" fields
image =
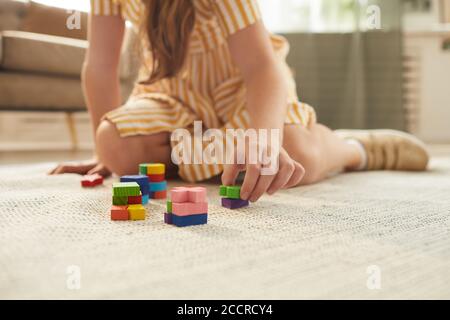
{"x": 189, "y": 208}
{"x": 119, "y": 201}
{"x": 159, "y": 195}
{"x": 169, "y": 206}
{"x": 126, "y": 189}
{"x": 137, "y": 212}
{"x": 119, "y": 213}
{"x": 135, "y": 200}
{"x": 91, "y": 181}
{"x": 145, "y": 199}
{"x": 141, "y": 180}
{"x": 186, "y": 221}
{"x": 168, "y": 218}
{"x": 156, "y": 177}
{"x": 157, "y": 186}
{"x": 156, "y": 168}
{"x": 185, "y": 194}
{"x": 143, "y": 168}
{"x": 223, "y": 191}
{"x": 197, "y": 194}
{"x": 231, "y": 192}
{"x": 234, "y": 203}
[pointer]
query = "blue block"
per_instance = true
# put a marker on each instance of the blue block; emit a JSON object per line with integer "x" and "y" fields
{"x": 141, "y": 180}
{"x": 157, "y": 186}
{"x": 145, "y": 199}
{"x": 187, "y": 221}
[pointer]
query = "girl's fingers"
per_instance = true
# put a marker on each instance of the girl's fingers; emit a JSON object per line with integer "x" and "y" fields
{"x": 250, "y": 180}
{"x": 101, "y": 170}
{"x": 284, "y": 175}
{"x": 261, "y": 187}
{"x": 296, "y": 176}
{"x": 230, "y": 174}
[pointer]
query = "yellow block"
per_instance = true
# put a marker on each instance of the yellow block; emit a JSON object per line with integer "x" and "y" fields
{"x": 156, "y": 168}
{"x": 137, "y": 212}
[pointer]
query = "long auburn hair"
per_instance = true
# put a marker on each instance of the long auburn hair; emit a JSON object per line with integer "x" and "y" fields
{"x": 167, "y": 25}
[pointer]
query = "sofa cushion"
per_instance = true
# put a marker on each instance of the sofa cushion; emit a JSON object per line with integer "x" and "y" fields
{"x": 39, "y": 92}
{"x": 51, "y": 20}
{"x": 24, "y": 51}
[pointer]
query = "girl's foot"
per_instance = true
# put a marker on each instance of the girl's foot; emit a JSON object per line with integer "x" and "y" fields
{"x": 389, "y": 149}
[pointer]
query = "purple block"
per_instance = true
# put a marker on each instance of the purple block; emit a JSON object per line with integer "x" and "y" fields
{"x": 168, "y": 218}
{"x": 234, "y": 203}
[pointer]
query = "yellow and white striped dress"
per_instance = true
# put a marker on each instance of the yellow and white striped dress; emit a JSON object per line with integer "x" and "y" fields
{"x": 210, "y": 87}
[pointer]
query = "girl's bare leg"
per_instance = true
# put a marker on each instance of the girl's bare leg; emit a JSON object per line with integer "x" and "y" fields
{"x": 123, "y": 155}
{"x": 320, "y": 151}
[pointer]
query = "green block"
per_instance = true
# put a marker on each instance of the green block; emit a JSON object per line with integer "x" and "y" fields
{"x": 169, "y": 206}
{"x": 231, "y": 192}
{"x": 126, "y": 189}
{"x": 223, "y": 191}
{"x": 143, "y": 169}
{"x": 120, "y": 201}
{"x": 234, "y": 192}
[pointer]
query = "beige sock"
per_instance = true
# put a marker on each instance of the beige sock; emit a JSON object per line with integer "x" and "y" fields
{"x": 362, "y": 151}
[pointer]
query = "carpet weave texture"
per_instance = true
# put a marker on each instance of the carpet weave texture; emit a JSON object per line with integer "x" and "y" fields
{"x": 329, "y": 240}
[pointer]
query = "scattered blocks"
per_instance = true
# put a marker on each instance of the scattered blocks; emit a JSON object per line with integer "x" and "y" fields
{"x": 232, "y": 197}
{"x": 234, "y": 203}
{"x": 155, "y": 174}
{"x": 137, "y": 212}
{"x": 187, "y": 207}
{"x": 91, "y": 181}
{"x": 128, "y": 199}
{"x": 119, "y": 213}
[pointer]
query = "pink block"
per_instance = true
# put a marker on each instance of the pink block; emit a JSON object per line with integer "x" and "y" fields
{"x": 179, "y": 195}
{"x": 184, "y": 194}
{"x": 197, "y": 195}
{"x": 189, "y": 208}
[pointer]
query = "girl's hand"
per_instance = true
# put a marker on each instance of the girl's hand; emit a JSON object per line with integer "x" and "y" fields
{"x": 83, "y": 168}
{"x": 288, "y": 175}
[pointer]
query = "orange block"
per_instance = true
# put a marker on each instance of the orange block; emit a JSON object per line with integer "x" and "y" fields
{"x": 158, "y": 195}
{"x": 119, "y": 213}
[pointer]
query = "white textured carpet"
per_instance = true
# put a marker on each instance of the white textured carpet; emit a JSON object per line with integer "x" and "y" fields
{"x": 311, "y": 242}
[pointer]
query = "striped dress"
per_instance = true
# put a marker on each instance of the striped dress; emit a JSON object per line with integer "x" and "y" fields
{"x": 209, "y": 88}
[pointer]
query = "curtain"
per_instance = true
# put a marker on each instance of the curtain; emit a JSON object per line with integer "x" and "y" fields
{"x": 346, "y": 56}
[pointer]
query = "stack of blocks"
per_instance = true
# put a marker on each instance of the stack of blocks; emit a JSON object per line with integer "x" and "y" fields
{"x": 127, "y": 202}
{"x": 155, "y": 173}
{"x": 187, "y": 207}
{"x": 232, "y": 197}
{"x": 142, "y": 181}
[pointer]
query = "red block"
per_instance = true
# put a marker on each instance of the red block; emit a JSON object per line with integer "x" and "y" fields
{"x": 135, "y": 200}
{"x": 156, "y": 177}
{"x": 119, "y": 213}
{"x": 91, "y": 181}
{"x": 159, "y": 195}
